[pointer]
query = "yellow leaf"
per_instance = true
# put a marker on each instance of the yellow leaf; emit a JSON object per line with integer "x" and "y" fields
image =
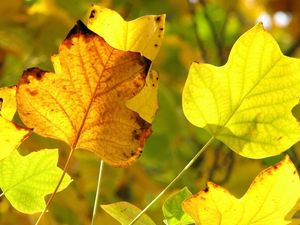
{"x": 84, "y": 102}
{"x": 247, "y": 102}
{"x": 142, "y": 35}
{"x": 11, "y": 135}
{"x": 9, "y": 105}
{"x": 269, "y": 200}
{"x": 145, "y": 103}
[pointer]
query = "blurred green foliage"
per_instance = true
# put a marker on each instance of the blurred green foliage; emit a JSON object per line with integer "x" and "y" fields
{"x": 204, "y": 31}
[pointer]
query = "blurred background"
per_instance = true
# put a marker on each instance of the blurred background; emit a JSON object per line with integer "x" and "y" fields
{"x": 196, "y": 30}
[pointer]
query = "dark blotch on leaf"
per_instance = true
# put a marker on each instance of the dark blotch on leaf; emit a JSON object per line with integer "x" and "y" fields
{"x": 92, "y": 15}
{"x": 157, "y": 19}
{"x": 79, "y": 28}
{"x": 34, "y": 71}
{"x": 1, "y": 101}
{"x": 161, "y": 29}
{"x": 32, "y": 92}
{"x": 156, "y": 45}
{"x": 206, "y": 190}
{"x": 135, "y": 135}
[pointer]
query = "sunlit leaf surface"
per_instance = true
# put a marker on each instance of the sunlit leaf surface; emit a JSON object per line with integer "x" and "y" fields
{"x": 271, "y": 198}
{"x": 11, "y": 135}
{"x": 26, "y": 180}
{"x": 84, "y": 102}
{"x": 125, "y": 212}
{"x": 247, "y": 102}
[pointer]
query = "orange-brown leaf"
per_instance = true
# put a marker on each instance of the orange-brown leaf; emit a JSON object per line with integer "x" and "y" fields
{"x": 83, "y": 103}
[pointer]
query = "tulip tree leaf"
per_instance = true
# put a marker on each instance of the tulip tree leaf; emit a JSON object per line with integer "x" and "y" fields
{"x": 247, "y": 103}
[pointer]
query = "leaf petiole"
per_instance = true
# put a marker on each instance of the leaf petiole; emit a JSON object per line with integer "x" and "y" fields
{"x": 97, "y": 192}
{"x": 173, "y": 181}
{"x": 57, "y": 187}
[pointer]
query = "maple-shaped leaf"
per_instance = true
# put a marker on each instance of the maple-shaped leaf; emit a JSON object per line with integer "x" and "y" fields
{"x": 11, "y": 134}
{"x": 144, "y": 35}
{"x": 247, "y": 103}
{"x": 26, "y": 180}
{"x": 84, "y": 102}
{"x": 271, "y": 198}
{"x": 125, "y": 212}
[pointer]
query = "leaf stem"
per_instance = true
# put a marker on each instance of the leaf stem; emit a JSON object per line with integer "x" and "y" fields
{"x": 56, "y": 188}
{"x": 97, "y": 192}
{"x": 173, "y": 181}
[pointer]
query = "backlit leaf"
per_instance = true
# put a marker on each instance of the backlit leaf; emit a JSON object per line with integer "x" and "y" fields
{"x": 271, "y": 198}
{"x": 145, "y": 102}
{"x": 142, "y": 35}
{"x": 173, "y": 211}
{"x": 8, "y": 106}
{"x": 247, "y": 102}
{"x": 11, "y": 135}
{"x": 125, "y": 212}
{"x": 84, "y": 102}
{"x": 25, "y": 180}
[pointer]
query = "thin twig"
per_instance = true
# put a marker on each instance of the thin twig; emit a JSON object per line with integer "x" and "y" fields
{"x": 203, "y": 52}
{"x": 173, "y": 181}
{"x": 97, "y": 193}
{"x": 57, "y": 187}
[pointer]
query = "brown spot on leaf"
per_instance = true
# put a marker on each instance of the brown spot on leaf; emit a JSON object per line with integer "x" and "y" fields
{"x": 206, "y": 190}
{"x": 294, "y": 172}
{"x": 156, "y": 45}
{"x": 161, "y": 29}
{"x": 136, "y": 135}
{"x": 80, "y": 29}
{"x": 92, "y": 15}
{"x": 158, "y": 19}
{"x": 32, "y": 92}
{"x": 35, "y": 72}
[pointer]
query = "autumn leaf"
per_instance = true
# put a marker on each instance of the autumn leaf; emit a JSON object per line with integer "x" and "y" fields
{"x": 84, "y": 102}
{"x": 145, "y": 102}
{"x": 247, "y": 103}
{"x": 173, "y": 211}
{"x": 11, "y": 134}
{"x": 26, "y": 180}
{"x": 8, "y": 106}
{"x": 269, "y": 200}
{"x": 125, "y": 212}
{"x": 144, "y": 35}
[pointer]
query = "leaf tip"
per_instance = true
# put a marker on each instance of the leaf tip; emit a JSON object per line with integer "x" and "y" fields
{"x": 79, "y": 28}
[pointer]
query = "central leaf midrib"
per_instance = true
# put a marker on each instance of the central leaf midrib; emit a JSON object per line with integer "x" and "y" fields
{"x": 245, "y": 96}
{"x": 78, "y": 134}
